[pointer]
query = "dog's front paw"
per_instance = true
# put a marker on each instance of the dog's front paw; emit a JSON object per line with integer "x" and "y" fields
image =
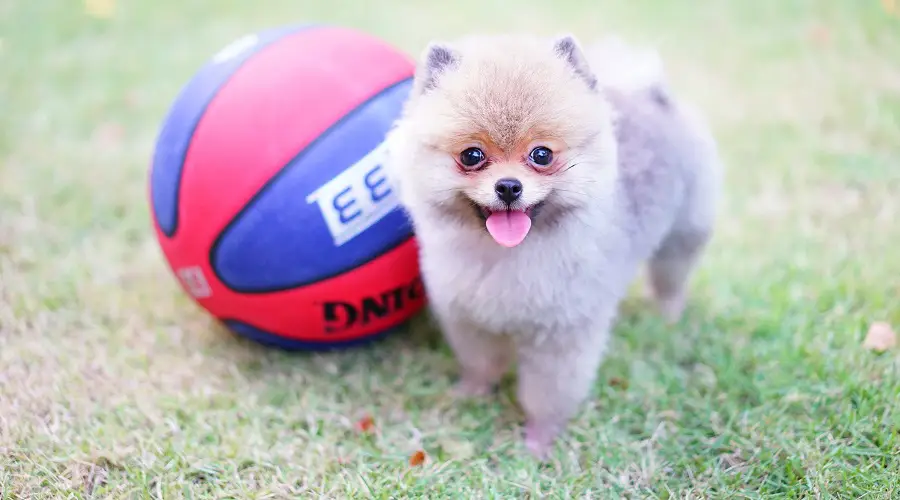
{"x": 540, "y": 438}
{"x": 672, "y": 308}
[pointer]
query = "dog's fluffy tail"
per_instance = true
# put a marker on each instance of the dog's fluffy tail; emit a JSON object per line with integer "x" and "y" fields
{"x": 625, "y": 67}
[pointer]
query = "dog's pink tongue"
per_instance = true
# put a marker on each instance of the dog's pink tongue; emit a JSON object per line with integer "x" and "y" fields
{"x": 508, "y": 227}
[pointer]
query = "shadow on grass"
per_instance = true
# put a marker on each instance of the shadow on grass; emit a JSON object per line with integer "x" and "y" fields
{"x": 415, "y": 366}
{"x": 413, "y": 350}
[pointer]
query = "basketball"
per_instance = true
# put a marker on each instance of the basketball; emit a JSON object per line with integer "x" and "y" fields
{"x": 268, "y": 197}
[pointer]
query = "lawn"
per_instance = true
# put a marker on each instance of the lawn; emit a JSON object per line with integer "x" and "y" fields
{"x": 113, "y": 384}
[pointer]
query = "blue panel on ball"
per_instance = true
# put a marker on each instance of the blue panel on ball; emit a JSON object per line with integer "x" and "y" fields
{"x": 177, "y": 130}
{"x": 274, "y": 340}
{"x": 327, "y": 211}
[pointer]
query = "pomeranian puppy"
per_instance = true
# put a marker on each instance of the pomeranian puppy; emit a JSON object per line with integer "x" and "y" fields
{"x": 538, "y": 178}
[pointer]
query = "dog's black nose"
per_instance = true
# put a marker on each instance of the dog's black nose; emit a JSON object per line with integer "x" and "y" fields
{"x": 508, "y": 190}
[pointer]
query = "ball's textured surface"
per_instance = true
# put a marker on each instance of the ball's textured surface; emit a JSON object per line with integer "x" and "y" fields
{"x": 267, "y": 193}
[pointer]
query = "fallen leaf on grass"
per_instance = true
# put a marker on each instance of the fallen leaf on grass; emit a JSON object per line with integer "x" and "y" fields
{"x": 417, "y": 458}
{"x": 365, "y": 424}
{"x": 618, "y": 382}
{"x": 881, "y": 337}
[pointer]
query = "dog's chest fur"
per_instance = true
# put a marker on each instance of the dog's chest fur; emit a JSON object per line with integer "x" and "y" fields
{"x": 556, "y": 281}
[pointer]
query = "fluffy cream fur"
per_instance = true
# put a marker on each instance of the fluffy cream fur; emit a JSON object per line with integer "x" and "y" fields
{"x": 634, "y": 180}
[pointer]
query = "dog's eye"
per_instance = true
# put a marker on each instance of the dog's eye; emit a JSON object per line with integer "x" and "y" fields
{"x": 541, "y": 156}
{"x": 471, "y": 157}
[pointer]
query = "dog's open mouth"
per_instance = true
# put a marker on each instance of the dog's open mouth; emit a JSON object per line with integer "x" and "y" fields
{"x": 508, "y": 227}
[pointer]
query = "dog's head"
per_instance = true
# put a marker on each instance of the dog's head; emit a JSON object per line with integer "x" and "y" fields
{"x": 502, "y": 132}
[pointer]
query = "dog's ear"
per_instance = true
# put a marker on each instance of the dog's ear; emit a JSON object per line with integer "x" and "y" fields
{"x": 437, "y": 59}
{"x": 568, "y": 49}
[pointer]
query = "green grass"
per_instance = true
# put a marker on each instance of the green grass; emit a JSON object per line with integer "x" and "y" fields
{"x": 113, "y": 384}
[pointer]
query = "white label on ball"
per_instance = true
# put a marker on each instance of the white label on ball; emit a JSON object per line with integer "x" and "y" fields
{"x": 194, "y": 281}
{"x": 356, "y": 198}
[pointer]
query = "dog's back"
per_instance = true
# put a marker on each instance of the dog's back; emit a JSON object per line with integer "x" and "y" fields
{"x": 670, "y": 168}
